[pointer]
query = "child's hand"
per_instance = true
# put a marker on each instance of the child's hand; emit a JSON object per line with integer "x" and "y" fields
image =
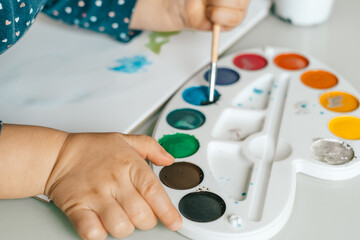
{"x": 172, "y": 15}
{"x": 103, "y": 184}
{"x": 202, "y": 14}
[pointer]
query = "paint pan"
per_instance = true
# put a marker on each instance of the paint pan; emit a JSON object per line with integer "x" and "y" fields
{"x": 199, "y": 96}
{"x": 179, "y": 145}
{"x": 280, "y": 113}
{"x": 224, "y": 76}
{"x": 202, "y": 206}
{"x": 181, "y": 175}
{"x": 185, "y": 119}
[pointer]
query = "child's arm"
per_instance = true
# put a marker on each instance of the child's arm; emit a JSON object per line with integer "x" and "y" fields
{"x": 100, "y": 180}
{"x": 27, "y": 156}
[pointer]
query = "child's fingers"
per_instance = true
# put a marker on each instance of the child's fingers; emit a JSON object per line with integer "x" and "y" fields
{"x": 150, "y": 189}
{"x": 114, "y": 218}
{"x": 147, "y": 147}
{"x": 138, "y": 210}
{"x": 225, "y": 17}
{"x": 87, "y": 224}
{"x": 235, "y": 4}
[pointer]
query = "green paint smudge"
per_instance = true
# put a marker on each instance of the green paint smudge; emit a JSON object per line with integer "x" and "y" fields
{"x": 158, "y": 39}
{"x": 180, "y": 145}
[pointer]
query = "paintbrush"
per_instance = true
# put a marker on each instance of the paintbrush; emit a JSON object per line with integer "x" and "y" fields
{"x": 213, "y": 64}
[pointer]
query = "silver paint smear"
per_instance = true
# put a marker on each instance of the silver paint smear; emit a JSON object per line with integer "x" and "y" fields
{"x": 335, "y": 101}
{"x": 332, "y": 151}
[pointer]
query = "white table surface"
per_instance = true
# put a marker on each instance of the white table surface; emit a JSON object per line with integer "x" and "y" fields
{"x": 322, "y": 209}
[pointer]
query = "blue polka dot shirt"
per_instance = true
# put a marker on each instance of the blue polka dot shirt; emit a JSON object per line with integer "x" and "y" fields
{"x": 111, "y": 17}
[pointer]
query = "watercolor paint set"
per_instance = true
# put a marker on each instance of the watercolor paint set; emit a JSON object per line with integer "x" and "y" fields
{"x": 278, "y": 113}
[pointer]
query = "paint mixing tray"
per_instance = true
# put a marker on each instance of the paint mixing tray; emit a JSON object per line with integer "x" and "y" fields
{"x": 279, "y": 113}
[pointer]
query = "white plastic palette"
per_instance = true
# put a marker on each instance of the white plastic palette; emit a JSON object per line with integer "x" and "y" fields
{"x": 279, "y": 113}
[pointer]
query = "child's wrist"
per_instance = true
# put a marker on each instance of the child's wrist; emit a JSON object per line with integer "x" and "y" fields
{"x": 53, "y": 140}
{"x": 56, "y": 164}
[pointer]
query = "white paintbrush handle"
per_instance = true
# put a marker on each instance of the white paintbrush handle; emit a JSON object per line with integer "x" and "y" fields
{"x": 214, "y": 58}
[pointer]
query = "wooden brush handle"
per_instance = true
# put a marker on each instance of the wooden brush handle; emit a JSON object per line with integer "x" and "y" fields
{"x": 215, "y": 43}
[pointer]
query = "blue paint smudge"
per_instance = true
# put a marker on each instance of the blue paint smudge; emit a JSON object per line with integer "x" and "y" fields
{"x": 239, "y": 104}
{"x": 243, "y": 194}
{"x": 258, "y": 91}
{"x": 321, "y": 112}
{"x": 303, "y": 105}
{"x": 131, "y": 65}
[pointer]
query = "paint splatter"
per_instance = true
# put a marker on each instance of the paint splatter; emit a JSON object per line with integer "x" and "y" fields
{"x": 131, "y": 65}
{"x": 302, "y": 107}
{"x": 203, "y": 188}
{"x": 258, "y": 91}
{"x": 237, "y": 134}
{"x": 158, "y": 39}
